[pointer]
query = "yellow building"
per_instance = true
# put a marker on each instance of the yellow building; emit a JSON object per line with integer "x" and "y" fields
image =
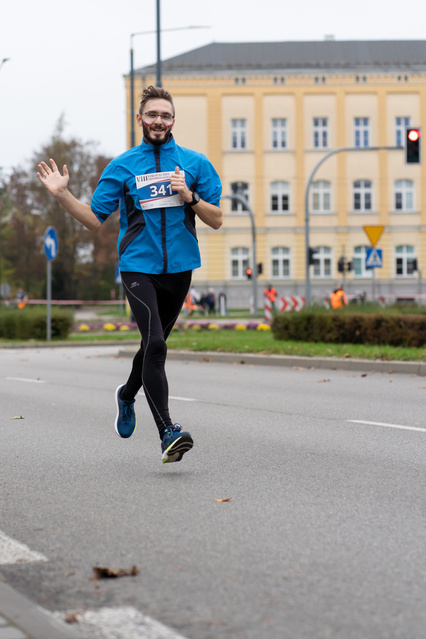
{"x": 266, "y": 114}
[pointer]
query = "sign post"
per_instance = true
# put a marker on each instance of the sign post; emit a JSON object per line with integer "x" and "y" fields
{"x": 374, "y": 257}
{"x": 51, "y": 251}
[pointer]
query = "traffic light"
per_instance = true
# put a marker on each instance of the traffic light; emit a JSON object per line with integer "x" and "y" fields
{"x": 312, "y": 253}
{"x": 412, "y": 266}
{"x": 341, "y": 265}
{"x": 249, "y": 273}
{"x": 413, "y": 145}
{"x": 260, "y": 268}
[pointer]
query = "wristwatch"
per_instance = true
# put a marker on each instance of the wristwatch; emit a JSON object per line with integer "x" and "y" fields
{"x": 195, "y": 198}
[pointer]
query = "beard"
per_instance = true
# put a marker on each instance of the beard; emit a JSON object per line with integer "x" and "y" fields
{"x": 156, "y": 142}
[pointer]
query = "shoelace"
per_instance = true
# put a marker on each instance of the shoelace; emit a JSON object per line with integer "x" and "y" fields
{"x": 127, "y": 412}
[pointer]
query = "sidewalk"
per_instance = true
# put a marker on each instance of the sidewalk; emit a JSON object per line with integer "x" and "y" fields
{"x": 20, "y": 618}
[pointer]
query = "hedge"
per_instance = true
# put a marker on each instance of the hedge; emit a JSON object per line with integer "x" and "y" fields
{"x": 31, "y": 323}
{"x": 351, "y": 328}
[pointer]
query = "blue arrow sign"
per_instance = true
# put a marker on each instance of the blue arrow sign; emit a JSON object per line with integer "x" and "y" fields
{"x": 373, "y": 258}
{"x": 50, "y": 243}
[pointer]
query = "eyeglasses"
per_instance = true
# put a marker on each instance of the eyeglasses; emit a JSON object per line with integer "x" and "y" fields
{"x": 151, "y": 116}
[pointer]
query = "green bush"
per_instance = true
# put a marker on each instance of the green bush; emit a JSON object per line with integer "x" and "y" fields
{"x": 352, "y": 328}
{"x": 30, "y": 323}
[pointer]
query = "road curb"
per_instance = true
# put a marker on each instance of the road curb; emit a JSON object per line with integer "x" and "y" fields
{"x": 32, "y": 620}
{"x": 293, "y": 361}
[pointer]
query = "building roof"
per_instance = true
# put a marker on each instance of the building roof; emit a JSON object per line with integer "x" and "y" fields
{"x": 293, "y": 56}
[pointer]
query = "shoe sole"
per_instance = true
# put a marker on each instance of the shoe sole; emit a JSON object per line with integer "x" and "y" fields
{"x": 176, "y": 451}
{"x": 117, "y": 416}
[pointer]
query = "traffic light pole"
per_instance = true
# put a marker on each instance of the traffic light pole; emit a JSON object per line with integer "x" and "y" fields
{"x": 244, "y": 201}
{"x": 346, "y": 149}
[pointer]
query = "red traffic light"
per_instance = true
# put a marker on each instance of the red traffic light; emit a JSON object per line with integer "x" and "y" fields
{"x": 414, "y": 134}
{"x": 249, "y": 273}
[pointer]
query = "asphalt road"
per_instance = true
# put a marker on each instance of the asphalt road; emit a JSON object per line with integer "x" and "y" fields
{"x": 325, "y": 531}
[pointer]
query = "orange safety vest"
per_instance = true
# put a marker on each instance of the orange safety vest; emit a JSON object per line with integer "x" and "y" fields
{"x": 271, "y": 294}
{"x": 338, "y": 299}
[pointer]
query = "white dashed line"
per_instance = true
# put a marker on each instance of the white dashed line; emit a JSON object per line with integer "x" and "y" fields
{"x": 179, "y": 399}
{"x": 118, "y": 623}
{"x": 13, "y": 552}
{"x": 26, "y": 379}
{"x": 360, "y": 421}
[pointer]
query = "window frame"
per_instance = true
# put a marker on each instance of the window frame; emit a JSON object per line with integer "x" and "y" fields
{"x": 320, "y": 133}
{"x": 239, "y": 134}
{"x": 362, "y": 132}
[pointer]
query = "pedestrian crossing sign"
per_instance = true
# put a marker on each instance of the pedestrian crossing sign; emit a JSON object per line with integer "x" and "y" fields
{"x": 373, "y": 258}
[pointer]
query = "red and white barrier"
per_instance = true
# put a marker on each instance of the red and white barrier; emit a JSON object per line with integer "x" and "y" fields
{"x": 293, "y": 303}
{"x": 268, "y": 310}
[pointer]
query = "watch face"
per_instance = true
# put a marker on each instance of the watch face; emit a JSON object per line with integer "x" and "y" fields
{"x": 195, "y": 198}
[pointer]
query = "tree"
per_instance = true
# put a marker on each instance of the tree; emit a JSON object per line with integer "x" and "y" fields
{"x": 35, "y": 209}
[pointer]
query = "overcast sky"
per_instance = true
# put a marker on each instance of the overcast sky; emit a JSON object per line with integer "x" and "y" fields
{"x": 70, "y": 57}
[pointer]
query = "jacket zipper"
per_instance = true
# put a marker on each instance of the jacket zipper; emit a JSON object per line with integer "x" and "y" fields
{"x": 163, "y": 214}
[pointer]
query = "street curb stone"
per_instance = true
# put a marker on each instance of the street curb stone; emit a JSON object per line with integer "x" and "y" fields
{"x": 20, "y": 618}
{"x": 293, "y": 361}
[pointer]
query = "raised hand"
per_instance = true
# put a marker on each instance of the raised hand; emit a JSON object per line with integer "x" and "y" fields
{"x": 177, "y": 182}
{"x": 52, "y": 179}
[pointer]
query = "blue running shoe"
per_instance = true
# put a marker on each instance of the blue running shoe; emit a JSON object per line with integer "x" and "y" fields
{"x": 125, "y": 422}
{"x": 175, "y": 444}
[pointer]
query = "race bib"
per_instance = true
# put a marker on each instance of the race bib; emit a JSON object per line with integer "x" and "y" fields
{"x": 156, "y": 191}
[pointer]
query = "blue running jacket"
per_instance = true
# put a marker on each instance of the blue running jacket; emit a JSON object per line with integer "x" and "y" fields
{"x": 157, "y": 230}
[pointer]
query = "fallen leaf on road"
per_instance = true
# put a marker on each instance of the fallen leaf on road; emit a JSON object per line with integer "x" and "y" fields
{"x": 392, "y": 370}
{"x": 113, "y": 573}
{"x": 72, "y": 617}
{"x": 323, "y": 380}
{"x": 17, "y": 417}
{"x": 364, "y": 375}
{"x": 227, "y": 499}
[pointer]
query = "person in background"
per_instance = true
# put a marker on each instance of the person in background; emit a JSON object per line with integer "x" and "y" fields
{"x": 338, "y": 298}
{"x": 271, "y": 294}
{"x": 161, "y": 188}
{"x": 21, "y": 298}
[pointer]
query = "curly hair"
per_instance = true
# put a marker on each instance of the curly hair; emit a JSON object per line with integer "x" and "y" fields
{"x": 155, "y": 93}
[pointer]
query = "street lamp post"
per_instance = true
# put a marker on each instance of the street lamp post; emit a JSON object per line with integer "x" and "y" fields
{"x": 132, "y": 72}
{"x": 308, "y": 186}
{"x": 244, "y": 201}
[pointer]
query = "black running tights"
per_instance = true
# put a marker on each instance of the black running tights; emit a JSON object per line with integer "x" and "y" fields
{"x": 156, "y": 301}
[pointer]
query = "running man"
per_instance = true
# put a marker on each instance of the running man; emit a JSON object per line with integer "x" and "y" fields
{"x": 161, "y": 188}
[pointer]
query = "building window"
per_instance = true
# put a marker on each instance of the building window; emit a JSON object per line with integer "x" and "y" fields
{"x": 363, "y": 196}
{"x": 320, "y": 133}
{"x": 280, "y": 197}
{"x": 321, "y": 196}
{"x": 238, "y": 133}
{"x": 359, "y": 261}
{"x": 279, "y": 133}
{"x": 280, "y": 262}
{"x": 362, "y": 132}
{"x": 238, "y": 188}
{"x": 239, "y": 262}
{"x": 404, "y": 195}
{"x": 400, "y": 126}
{"x": 404, "y": 258}
{"x": 322, "y": 266}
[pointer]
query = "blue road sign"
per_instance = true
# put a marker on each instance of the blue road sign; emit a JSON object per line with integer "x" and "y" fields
{"x": 50, "y": 243}
{"x": 373, "y": 258}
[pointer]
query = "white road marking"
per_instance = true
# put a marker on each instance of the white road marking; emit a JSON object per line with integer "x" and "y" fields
{"x": 179, "y": 399}
{"x": 118, "y": 623}
{"x": 13, "y": 552}
{"x": 360, "y": 421}
{"x": 26, "y": 379}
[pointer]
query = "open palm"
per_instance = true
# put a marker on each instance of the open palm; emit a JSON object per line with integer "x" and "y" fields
{"x": 52, "y": 179}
